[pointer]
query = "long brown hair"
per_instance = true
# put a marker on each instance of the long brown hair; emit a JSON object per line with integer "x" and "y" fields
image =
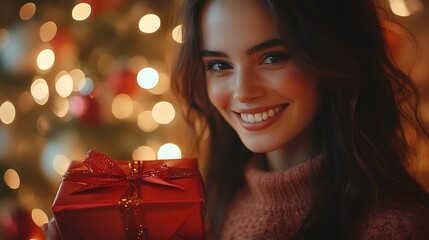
{"x": 361, "y": 124}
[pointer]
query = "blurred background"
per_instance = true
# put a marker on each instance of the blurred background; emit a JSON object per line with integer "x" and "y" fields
{"x": 78, "y": 75}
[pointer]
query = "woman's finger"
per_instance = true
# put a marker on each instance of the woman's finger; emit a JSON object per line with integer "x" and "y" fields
{"x": 50, "y": 230}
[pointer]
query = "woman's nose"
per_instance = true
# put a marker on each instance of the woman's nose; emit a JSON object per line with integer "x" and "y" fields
{"x": 247, "y": 87}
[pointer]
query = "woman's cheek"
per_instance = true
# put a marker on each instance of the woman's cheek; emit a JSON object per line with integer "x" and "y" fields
{"x": 218, "y": 93}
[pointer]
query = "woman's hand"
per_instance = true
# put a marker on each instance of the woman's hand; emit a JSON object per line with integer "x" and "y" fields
{"x": 51, "y": 231}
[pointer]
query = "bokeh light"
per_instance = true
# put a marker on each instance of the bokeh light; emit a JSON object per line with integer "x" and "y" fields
{"x": 162, "y": 86}
{"x": 64, "y": 84}
{"x": 147, "y": 78}
{"x": 61, "y": 164}
{"x": 79, "y": 79}
{"x": 39, "y": 217}
{"x": 78, "y": 105}
{"x": 27, "y": 11}
{"x": 81, "y": 11}
{"x": 122, "y": 106}
{"x": 144, "y": 153}
{"x": 7, "y": 112}
{"x": 169, "y": 151}
{"x": 163, "y": 112}
{"x": 60, "y": 107}
{"x": 149, "y": 23}
{"x": 87, "y": 87}
{"x": 405, "y": 8}
{"x": 48, "y": 31}
{"x": 45, "y": 59}
{"x": 11, "y": 178}
{"x": 177, "y": 34}
{"x": 40, "y": 91}
{"x": 146, "y": 122}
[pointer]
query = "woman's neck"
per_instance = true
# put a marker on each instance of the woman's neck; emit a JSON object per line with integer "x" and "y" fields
{"x": 296, "y": 151}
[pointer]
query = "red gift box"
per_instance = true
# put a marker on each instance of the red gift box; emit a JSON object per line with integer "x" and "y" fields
{"x": 105, "y": 199}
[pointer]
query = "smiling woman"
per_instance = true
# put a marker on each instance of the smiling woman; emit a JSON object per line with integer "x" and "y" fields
{"x": 307, "y": 138}
{"x": 251, "y": 74}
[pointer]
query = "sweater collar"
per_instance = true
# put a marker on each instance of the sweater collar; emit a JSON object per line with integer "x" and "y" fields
{"x": 295, "y": 185}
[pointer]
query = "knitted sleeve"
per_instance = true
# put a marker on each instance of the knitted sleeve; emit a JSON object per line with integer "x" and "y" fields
{"x": 395, "y": 223}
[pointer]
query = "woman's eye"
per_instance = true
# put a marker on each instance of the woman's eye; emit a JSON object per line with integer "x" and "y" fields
{"x": 274, "y": 58}
{"x": 217, "y": 66}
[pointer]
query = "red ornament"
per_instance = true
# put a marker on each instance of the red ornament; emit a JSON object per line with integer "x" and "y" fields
{"x": 123, "y": 81}
{"x": 92, "y": 116}
{"x": 86, "y": 109}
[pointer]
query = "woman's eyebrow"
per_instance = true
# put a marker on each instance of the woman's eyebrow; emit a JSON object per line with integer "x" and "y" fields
{"x": 265, "y": 45}
{"x": 208, "y": 53}
{"x": 250, "y": 51}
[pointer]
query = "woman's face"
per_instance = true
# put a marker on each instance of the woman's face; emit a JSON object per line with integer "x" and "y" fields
{"x": 251, "y": 80}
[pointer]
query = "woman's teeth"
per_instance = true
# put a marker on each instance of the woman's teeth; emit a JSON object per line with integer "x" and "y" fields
{"x": 259, "y": 117}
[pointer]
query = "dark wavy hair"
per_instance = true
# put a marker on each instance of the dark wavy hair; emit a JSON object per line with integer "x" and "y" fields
{"x": 368, "y": 107}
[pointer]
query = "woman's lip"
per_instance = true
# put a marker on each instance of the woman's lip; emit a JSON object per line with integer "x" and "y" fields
{"x": 257, "y": 126}
{"x": 259, "y": 109}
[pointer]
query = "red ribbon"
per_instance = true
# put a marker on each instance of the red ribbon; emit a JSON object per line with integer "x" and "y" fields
{"x": 131, "y": 205}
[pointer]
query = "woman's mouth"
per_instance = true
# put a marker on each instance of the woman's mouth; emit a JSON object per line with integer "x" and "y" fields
{"x": 261, "y": 116}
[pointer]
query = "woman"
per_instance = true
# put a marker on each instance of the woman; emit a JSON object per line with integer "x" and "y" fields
{"x": 306, "y": 114}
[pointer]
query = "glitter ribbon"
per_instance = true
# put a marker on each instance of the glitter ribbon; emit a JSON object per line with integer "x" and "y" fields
{"x": 131, "y": 204}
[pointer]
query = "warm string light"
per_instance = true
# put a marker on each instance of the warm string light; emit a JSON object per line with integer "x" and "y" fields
{"x": 176, "y": 34}
{"x": 166, "y": 151}
{"x": 45, "y": 59}
{"x": 40, "y": 91}
{"x": 7, "y": 112}
{"x": 47, "y": 31}
{"x": 27, "y": 11}
{"x": 122, "y": 106}
{"x": 149, "y": 23}
{"x": 81, "y": 11}
{"x": 169, "y": 151}
{"x": 64, "y": 84}
{"x": 12, "y": 179}
{"x": 39, "y": 217}
{"x": 61, "y": 164}
{"x": 163, "y": 112}
{"x": 144, "y": 153}
{"x": 147, "y": 78}
{"x": 146, "y": 122}
{"x": 405, "y": 8}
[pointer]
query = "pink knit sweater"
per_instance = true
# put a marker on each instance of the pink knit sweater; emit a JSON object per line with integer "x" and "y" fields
{"x": 273, "y": 204}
